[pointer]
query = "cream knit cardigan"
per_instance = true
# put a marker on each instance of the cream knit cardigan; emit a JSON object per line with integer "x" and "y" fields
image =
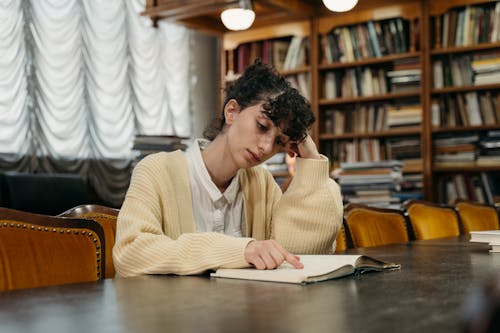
{"x": 156, "y": 231}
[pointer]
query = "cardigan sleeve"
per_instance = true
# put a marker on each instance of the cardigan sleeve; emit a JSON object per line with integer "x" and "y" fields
{"x": 308, "y": 216}
{"x": 150, "y": 238}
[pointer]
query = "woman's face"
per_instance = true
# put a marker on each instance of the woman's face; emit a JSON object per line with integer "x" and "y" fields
{"x": 252, "y": 136}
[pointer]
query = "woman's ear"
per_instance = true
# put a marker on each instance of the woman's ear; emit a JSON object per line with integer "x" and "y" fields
{"x": 230, "y": 110}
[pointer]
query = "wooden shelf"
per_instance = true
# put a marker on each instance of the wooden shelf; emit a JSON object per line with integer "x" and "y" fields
{"x": 388, "y": 133}
{"x": 465, "y": 49}
{"x": 369, "y": 98}
{"x": 370, "y": 61}
{"x": 465, "y": 128}
{"x": 472, "y": 168}
{"x": 296, "y": 71}
{"x": 457, "y": 89}
{"x": 412, "y": 169}
{"x": 232, "y": 39}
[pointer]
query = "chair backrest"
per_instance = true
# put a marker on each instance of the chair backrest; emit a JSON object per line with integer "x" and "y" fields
{"x": 106, "y": 217}
{"x": 341, "y": 240}
{"x": 371, "y": 226}
{"x": 28, "y": 192}
{"x": 40, "y": 250}
{"x": 475, "y": 216}
{"x": 429, "y": 220}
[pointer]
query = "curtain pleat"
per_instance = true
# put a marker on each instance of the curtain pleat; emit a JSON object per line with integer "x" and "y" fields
{"x": 15, "y": 134}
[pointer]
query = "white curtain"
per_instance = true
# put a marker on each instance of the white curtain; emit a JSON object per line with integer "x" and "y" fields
{"x": 15, "y": 135}
{"x": 80, "y": 78}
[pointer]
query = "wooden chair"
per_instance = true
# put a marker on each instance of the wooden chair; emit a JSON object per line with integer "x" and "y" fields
{"x": 41, "y": 250}
{"x": 341, "y": 240}
{"x": 370, "y": 226}
{"x": 106, "y": 217}
{"x": 475, "y": 216}
{"x": 429, "y": 220}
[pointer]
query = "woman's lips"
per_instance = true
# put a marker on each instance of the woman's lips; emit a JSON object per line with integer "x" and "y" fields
{"x": 254, "y": 156}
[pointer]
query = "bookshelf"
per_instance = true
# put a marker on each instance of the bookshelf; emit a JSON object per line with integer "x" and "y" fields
{"x": 464, "y": 96}
{"x": 351, "y": 90}
{"x": 370, "y": 65}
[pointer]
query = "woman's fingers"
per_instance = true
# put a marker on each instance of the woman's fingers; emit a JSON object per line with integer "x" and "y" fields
{"x": 269, "y": 254}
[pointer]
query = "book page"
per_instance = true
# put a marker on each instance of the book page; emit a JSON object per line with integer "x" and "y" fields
{"x": 314, "y": 265}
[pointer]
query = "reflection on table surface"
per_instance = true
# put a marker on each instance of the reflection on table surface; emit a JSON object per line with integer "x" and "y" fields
{"x": 426, "y": 295}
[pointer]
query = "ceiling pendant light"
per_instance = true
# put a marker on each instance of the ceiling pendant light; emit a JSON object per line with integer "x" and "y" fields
{"x": 340, "y": 5}
{"x": 240, "y": 18}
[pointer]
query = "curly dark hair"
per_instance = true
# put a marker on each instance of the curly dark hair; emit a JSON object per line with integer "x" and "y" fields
{"x": 283, "y": 104}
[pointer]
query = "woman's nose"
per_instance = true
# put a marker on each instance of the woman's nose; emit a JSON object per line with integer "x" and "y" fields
{"x": 266, "y": 143}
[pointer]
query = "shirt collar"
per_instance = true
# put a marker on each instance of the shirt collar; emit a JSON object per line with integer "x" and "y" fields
{"x": 203, "y": 177}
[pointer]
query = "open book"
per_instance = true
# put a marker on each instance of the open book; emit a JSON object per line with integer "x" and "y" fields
{"x": 316, "y": 268}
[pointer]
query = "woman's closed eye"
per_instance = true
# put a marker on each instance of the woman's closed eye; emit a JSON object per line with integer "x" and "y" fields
{"x": 280, "y": 142}
{"x": 262, "y": 127}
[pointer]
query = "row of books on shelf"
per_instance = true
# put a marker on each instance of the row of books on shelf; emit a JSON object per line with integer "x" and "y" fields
{"x": 366, "y": 40}
{"x": 302, "y": 83}
{"x": 467, "y": 70}
{"x": 372, "y": 118}
{"x": 406, "y": 150}
{"x": 468, "y": 25}
{"x": 483, "y": 187}
{"x": 380, "y": 184}
{"x": 366, "y": 81}
{"x": 467, "y": 149}
{"x": 283, "y": 53}
{"x": 466, "y": 109}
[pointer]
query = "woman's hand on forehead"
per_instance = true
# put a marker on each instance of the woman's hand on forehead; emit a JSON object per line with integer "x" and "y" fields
{"x": 304, "y": 149}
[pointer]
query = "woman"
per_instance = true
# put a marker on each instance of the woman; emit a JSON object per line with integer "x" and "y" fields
{"x": 213, "y": 206}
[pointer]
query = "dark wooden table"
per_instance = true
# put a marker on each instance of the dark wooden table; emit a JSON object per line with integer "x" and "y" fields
{"x": 426, "y": 295}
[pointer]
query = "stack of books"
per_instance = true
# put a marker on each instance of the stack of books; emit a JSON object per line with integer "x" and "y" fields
{"x": 491, "y": 237}
{"x": 406, "y": 150}
{"x": 276, "y": 164}
{"x": 149, "y": 144}
{"x": 411, "y": 187}
{"x": 404, "y": 116}
{"x": 405, "y": 76}
{"x": 370, "y": 183}
{"x": 452, "y": 150}
{"x": 489, "y": 149}
{"x": 486, "y": 68}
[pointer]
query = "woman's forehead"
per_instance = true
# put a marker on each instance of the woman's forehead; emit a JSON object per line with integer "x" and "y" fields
{"x": 280, "y": 129}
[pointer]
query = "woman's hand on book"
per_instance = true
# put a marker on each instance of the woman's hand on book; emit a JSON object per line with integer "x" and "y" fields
{"x": 269, "y": 254}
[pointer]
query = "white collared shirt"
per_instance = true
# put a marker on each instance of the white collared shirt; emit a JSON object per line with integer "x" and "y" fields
{"x": 213, "y": 211}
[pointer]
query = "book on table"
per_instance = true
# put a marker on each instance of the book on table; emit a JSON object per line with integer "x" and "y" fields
{"x": 316, "y": 268}
{"x": 485, "y": 236}
{"x": 494, "y": 247}
{"x": 490, "y": 237}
